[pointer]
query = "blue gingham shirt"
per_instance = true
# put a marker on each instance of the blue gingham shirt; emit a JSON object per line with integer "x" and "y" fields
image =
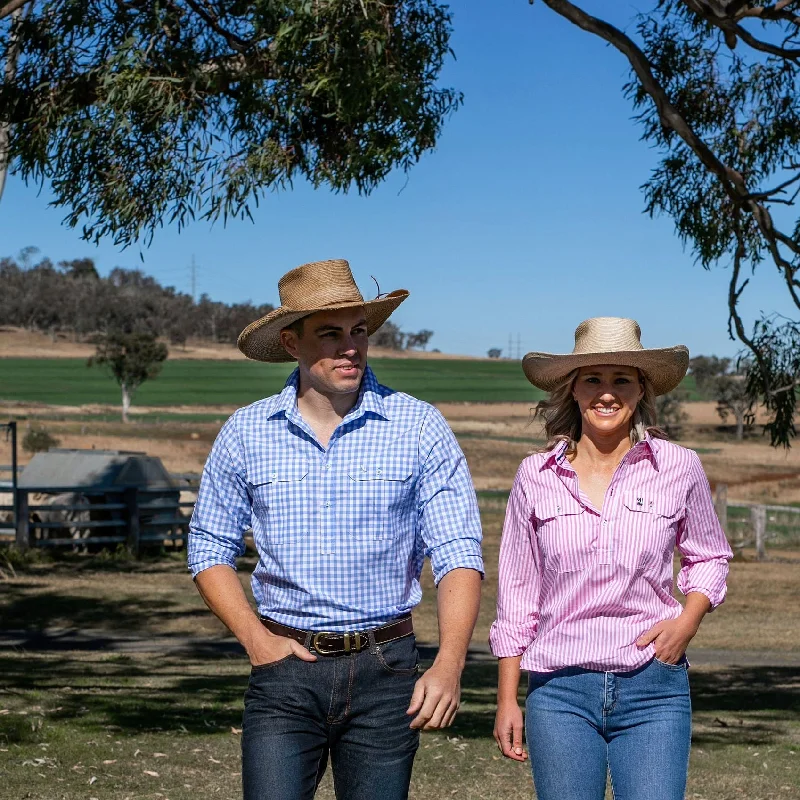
{"x": 342, "y": 532}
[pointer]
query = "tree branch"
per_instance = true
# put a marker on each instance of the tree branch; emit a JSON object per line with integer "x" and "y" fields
{"x": 671, "y": 118}
{"x": 9, "y": 8}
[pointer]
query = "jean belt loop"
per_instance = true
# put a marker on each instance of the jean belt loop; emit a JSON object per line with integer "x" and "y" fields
{"x": 307, "y": 642}
{"x": 373, "y": 647}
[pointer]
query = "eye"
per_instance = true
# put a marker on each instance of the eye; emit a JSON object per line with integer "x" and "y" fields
{"x": 623, "y": 380}
{"x": 359, "y": 331}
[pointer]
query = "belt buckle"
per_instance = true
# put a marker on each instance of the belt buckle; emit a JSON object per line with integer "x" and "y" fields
{"x": 352, "y": 642}
{"x": 315, "y": 642}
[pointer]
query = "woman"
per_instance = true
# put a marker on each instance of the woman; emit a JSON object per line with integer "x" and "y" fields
{"x": 585, "y": 601}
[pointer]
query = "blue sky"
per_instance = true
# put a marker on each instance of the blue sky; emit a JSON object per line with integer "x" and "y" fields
{"x": 525, "y": 220}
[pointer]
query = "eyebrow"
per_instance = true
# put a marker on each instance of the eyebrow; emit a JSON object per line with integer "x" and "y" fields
{"x": 626, "y": 373}
{"x": 328, "y": 328}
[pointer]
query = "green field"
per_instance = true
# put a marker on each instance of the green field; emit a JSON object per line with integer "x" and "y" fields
{"x": 68, "y": 381}
{"x": 63, "y": 381}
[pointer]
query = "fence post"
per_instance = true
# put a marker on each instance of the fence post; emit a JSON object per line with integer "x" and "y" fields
{"x": 758, "y": 521}
{"x": 721, "y": 505}
{"x": 131, "y": 500}
{"x": 22, "y": 518}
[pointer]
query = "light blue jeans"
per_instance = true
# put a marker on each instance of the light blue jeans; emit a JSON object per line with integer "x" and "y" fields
{"x": 582, "y": 725}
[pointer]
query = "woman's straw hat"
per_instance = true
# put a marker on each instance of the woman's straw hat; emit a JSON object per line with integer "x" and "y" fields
{"x": 319, "y": 286}
{"x": 609, "y": 340}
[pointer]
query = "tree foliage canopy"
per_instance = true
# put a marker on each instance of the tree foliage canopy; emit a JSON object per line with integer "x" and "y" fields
{"x": 715, "y": 84}
{"x": 145, "y": 112}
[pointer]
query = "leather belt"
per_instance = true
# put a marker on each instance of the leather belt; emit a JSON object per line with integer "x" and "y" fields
{"x": 340, "y": 644}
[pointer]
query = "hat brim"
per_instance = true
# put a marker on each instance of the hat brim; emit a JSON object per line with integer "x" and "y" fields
{"x": 665, "y": 368}
{"x": 261, "y": 340}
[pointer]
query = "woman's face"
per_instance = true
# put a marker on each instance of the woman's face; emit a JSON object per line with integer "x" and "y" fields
{"x": 607, "y": 396}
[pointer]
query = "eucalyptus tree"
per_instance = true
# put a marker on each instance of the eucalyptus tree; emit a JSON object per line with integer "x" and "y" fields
{"x": 715, "y": 87}
{"x": 140, "y": 113}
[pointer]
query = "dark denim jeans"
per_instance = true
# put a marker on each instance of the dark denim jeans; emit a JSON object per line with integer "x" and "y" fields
{"x": 353, "y": 708}
{"x": 636, "y": 726}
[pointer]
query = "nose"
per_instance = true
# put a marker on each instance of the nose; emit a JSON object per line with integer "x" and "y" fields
{"x": 348, "y": 346}
{"x": 606, "y": 393}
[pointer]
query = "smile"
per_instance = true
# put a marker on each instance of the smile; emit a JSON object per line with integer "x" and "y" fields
{"x": 605, "y": 412}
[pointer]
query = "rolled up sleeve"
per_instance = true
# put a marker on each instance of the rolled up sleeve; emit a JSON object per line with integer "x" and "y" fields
{"x": 519, "y": 582}
{"x": 704, "y": 549}
{"x": 222, "y": 512}
{"x": 448, "y": 519}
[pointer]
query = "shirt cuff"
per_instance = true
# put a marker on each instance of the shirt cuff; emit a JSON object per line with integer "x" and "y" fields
{"x": 506, "y": 643}
{"x": 462, "y": 562}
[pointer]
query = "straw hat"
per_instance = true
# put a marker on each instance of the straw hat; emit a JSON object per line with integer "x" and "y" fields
{"x": 609, "y": 340}
{"x": 319, "y": 286}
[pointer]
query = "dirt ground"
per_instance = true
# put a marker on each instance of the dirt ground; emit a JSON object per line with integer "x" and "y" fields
{"x": 18, "y": 343}
{"x": 494, "y": 437}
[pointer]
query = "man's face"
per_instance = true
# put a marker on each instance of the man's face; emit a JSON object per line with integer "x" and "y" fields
{"x": 332, "y": 352}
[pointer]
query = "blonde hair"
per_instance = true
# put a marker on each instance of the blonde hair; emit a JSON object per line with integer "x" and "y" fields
{"x": 562, "y": 417}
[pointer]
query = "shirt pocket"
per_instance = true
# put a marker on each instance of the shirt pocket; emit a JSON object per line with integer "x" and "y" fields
{"x": 648, "y": 537}
{"x": 565, "y": 536}
{"x": 279, "y": 499}
{"x": 381, "y": 495}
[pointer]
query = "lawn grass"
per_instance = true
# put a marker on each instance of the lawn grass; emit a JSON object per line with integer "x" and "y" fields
{"x": 236, "y": 383}
{"x": 82, "y": 723}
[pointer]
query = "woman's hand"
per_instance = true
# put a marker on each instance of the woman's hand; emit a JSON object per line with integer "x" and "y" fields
{"x": 508, "y": 727}
{"x": 672, "y": 636}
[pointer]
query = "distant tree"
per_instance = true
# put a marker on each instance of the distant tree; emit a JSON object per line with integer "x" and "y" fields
{"x": 38, "y": 439}
{"x": 734, "y": 398}
{"x": 419, "y": 339}
{"x": 670, "y": 413}
{"x": 495, "y": 352}
{"x": 389, "y": 336}
{"x": 132, "y": 359}
{"x": 706, "y": 369}
{"x": 80, "y": 268}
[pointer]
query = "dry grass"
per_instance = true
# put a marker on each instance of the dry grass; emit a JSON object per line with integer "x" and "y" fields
{"x": 111, "y": 725}
{"x": 20, "y": 343}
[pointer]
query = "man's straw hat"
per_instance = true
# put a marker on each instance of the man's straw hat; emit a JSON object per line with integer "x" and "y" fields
{"x": 319, "y": 286}
{"x": 609, "y": 340}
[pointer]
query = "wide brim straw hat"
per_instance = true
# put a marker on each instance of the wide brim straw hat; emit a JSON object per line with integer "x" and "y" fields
{"x": 609, "y": 340}
{"x": 305, "y": 290}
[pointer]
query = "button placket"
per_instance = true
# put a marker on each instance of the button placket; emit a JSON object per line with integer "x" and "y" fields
{"x": 326, "y": 515}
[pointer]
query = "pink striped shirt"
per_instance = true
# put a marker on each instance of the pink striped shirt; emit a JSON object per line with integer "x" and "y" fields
{"x": 578, "y": 586}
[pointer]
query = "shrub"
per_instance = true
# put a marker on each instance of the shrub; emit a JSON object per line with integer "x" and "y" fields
{"x": 38, "y": 440}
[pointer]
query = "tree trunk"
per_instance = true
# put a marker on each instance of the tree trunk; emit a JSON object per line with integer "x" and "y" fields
{"x": 10, "y": 75}
{"x": 126, "y": 402}
{"x": 739, "y": 426}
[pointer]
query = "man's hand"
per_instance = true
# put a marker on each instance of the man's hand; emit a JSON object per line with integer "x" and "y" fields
{"x": 508, "y": 727}
{"x": 265, "y": 648}
{"x": 436, "y": 697}
{"x": 672, "y": 636}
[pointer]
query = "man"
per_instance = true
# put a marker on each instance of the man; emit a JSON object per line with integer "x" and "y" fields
{"x": 347, "y": 486}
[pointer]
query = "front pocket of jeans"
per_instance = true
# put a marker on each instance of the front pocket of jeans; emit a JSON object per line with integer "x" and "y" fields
{"x": 259, "y": 668}
{"x": 679, "y": 666}
{"x": 396, "y": 669}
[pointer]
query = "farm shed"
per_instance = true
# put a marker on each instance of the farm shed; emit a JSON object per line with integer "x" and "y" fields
{"x": 89, "y": 494}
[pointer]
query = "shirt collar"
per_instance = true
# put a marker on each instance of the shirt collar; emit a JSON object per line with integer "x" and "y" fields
{"x": 369, "y": 398}
{"x": 556, "y": 456}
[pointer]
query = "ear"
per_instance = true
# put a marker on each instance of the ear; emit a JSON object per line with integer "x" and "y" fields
{"x": 289, "y": 342}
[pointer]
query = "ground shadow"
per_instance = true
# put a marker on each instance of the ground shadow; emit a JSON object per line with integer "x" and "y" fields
{"x": 202, "y": 693}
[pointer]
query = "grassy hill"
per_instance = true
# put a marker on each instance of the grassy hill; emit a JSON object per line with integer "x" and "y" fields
{"x": 66, "y": 381}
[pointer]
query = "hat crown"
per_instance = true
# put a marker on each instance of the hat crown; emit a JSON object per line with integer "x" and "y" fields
{"x": 607, "y": 335}
{"x": 317, "y": 285}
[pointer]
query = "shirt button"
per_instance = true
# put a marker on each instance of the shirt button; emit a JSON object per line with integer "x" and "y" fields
{"x": 327, "y": 505}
